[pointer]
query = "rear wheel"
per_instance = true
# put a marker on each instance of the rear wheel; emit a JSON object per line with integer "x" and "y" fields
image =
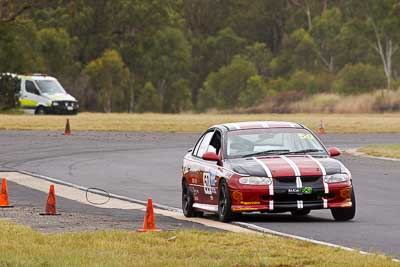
{"x": 187, "y": 201}
{"x": 225, "y": 213}
{"x": 345, "y": 214}
{"x": 303, "y": 212}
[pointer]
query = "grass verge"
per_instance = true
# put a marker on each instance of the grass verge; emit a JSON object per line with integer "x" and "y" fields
{"x": 334, "y": 123}
{"x": 389, "y": 151}
{"x": 20, "y": 246}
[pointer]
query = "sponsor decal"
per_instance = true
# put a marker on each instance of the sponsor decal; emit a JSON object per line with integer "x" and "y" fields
{"x": 237, "y": 195}
{"x": 207, "y": 183}
{"x": 306, "y": 136}
{"x": 306, "y": 190}
{"x": 294, "y": 190}
{"x": 300, "y": 191}
{"x": 212, "y": 178}
{"x": 244, "y": 209}
{"x": 250, "y": 203}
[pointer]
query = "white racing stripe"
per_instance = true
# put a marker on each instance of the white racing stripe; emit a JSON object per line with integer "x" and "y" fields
{"x": 293, "y": 165}
{"x": 299, "y": 184}
{"x": 300, "y": 204}
{"x": 271, "y": 186}
{"x": 326, "y": 186}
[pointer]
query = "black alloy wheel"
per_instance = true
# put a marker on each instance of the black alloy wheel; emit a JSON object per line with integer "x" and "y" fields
{"x": 345, "y": 214}
{"x": 225, "y": 213}
{"x": 187, "y": 201}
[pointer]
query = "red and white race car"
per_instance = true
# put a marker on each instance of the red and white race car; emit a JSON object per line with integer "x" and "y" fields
{"x": 265, "y": 166}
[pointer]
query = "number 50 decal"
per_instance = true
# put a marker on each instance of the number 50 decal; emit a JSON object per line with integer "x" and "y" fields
{"x": 207, "y": 183}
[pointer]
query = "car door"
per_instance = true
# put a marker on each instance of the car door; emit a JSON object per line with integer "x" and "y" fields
{"x": 207, "y": 170}
{"x": 30, "y": 95}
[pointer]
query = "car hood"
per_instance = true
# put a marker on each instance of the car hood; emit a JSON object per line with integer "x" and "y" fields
{"x": 60, "y": 97}
{"x": 285, "y": 166}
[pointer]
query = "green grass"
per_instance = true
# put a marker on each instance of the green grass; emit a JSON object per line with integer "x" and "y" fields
{"x": 149, "y": 122}
{"x": 20, "y": 246}
{"x": 389, "y": 151}
{"x": 12, "y": 111}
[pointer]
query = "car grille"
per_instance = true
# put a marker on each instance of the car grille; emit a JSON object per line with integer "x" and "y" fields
{"x": 66, "y": 103}
{"x": 304, "y": 179}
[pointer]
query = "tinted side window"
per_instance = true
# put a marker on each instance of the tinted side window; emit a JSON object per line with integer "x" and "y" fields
{"x": 204, "y": 144}
{"x": 196, "y": 148}
{"x": 31, "y": 88}
{"x": 215, "y": 143}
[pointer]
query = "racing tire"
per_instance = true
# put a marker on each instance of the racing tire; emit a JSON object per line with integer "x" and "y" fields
{"x": 302, "y": 212}
{"x": 40, "y": 111}
{"x": 187, "y": 201}
{"x": 225, "y": 213}
{"x": 345, "y": 214}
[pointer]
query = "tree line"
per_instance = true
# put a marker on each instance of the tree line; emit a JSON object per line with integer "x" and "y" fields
{"x": 179, "y": 55}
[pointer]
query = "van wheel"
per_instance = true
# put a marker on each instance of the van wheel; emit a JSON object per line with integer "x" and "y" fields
{"x": 40, "y": 111}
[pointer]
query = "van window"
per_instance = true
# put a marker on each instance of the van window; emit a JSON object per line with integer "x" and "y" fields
{"x": 31, "y": 88}
{"x": 50, "y": 87}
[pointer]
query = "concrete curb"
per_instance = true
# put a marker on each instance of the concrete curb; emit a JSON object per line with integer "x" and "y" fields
{"x": 357, "y": 153}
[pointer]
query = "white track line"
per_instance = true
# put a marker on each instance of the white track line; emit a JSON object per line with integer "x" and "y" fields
{"x": 177, "y": 214}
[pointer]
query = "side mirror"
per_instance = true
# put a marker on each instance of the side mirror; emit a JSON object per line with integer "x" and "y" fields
{"x": 211, "y": 156}
{"x": 334, "y": 151}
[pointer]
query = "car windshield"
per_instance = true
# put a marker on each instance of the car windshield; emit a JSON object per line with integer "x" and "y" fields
{"x": 272, "y": 141}
{"x": 50, "y": 87}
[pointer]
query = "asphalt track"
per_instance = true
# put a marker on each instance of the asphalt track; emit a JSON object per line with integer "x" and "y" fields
{"x": 140, "y": 165}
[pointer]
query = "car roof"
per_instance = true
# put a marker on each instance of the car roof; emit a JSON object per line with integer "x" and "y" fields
{"x": 257, "y": 125}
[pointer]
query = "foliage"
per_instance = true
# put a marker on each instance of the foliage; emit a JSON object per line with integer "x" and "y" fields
{"x": 108, "y": 76}
{"x": 222, "y": 88}
{"x": 149, "y": 100}
{"x": 254, "y": 92}
{"x": 168, "y": 63}
{"x": 359, "y": 78}
{"x": 9, "y": 91}
{"x": 185, "y": 49}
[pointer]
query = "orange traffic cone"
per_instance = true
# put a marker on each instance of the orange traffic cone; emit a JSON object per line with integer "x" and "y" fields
{"x": 4, "y": 203}
{"x": 67, "y": 130}
{"x": 149, "y": 223}
{"x": 50, "y": 208}
{"x": 321, "y": 128}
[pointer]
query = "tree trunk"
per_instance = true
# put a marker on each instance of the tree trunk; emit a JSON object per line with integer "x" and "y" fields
{"x": 132, "y": 100}
{"x": 385, "y": 54}
{"x": 308, "y": 13}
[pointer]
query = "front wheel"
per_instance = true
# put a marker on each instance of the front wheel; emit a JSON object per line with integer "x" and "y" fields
{"x": 187, "y": 201}
{"x": 345, "y": 214}
{"x": 225, "y": 213}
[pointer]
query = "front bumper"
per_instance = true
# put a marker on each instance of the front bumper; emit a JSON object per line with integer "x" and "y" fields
{"x": 247, "y": 198}
{"x": 63, "y": 107}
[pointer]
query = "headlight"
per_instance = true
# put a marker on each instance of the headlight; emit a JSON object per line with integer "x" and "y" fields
{"x": 337, "y": 178}
{"x": 255, "y": 180}
{"x": 55, "y": 103}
